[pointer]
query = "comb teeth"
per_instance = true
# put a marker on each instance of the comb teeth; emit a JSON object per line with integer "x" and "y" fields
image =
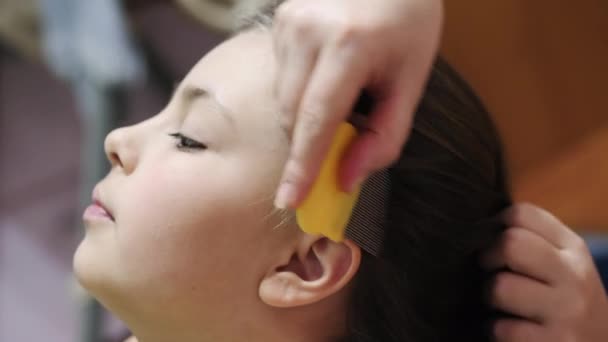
{"x": 366, "y": 226}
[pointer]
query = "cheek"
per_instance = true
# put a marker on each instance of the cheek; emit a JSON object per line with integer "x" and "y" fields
{"x": 182, "y": 228}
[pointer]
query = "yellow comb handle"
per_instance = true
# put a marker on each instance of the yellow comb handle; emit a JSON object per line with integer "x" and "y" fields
{"x": 327, "y": 209}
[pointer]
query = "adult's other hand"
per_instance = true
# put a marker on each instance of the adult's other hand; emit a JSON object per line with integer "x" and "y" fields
{"x": 547, "y": 279}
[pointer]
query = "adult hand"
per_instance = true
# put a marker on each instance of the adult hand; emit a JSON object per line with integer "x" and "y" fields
{"x": 327, "y": 52}
{"x": 551, "y": 282}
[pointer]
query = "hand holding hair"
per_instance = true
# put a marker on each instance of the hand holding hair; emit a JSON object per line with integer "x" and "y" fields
{"x": 545, "y": 277}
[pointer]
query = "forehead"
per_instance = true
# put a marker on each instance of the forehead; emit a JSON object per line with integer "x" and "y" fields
{"x": 240, "y": 72}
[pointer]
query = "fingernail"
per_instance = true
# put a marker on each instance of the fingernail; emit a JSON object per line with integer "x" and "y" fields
{"x": 358, "y": 180}
{"x": 286, "y": 195}
{"x": 356, "y": 184}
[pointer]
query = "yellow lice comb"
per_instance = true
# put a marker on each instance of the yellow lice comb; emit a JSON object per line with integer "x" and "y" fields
{"x": 327, "y": 209}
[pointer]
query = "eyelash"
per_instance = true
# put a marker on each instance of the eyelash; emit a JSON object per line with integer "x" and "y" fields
{"x": 186, "y": 143}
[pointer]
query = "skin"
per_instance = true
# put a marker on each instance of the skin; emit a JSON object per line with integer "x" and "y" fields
{"x": 196, "y": 251}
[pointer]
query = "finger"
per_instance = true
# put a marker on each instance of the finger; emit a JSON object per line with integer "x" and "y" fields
{"x": 521, "y": 296}
{"x": 380, "y": 142}
{"x": 335, "y": 83}
{"x": 518, "y": 330}
{"x": 389, "y": 124}
{"x": 527, "y": 253}
{"x": 296, "y": 72}
{"x": 542, "y": 223}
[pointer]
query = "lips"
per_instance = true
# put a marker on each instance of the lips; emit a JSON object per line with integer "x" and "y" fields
{"x": 103, "y": 208}
{"x": 97, "y": 210}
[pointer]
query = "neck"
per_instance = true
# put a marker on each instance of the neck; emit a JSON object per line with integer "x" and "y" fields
{"x": 301, "y": 325}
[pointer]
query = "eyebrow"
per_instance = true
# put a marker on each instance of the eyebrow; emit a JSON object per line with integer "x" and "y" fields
{"x": 191, "y": 93}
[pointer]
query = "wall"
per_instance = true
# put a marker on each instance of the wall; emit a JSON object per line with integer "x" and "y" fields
{"x": 541, "y": 68}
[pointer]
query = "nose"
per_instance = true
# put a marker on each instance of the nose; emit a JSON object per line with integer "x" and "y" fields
{"x": 121, "y": 149}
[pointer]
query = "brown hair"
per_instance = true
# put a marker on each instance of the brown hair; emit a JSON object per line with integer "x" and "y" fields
{"x": 446, "y": 189}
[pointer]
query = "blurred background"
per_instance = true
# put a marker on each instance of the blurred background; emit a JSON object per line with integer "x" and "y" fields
{"x": 71, "y": 70}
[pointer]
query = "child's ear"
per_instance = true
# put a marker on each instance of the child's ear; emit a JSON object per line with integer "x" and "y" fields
{"x": 317, "y": 269}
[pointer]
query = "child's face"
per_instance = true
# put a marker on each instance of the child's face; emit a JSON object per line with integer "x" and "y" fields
{"x": 193, "y": 232}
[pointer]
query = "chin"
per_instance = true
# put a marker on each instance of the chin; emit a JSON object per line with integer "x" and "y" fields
{"x": 85, "y": 267}
{"x": 91, "y": 271}
{"x": 91, "y": 268}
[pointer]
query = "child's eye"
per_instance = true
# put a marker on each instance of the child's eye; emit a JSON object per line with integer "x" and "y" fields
{"x": 183, "y": 142}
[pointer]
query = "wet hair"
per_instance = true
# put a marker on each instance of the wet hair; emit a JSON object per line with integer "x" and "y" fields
{"x": 447, "y": 188}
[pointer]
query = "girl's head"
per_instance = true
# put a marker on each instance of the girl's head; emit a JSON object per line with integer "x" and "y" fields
{"x": 195, "y": 250}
